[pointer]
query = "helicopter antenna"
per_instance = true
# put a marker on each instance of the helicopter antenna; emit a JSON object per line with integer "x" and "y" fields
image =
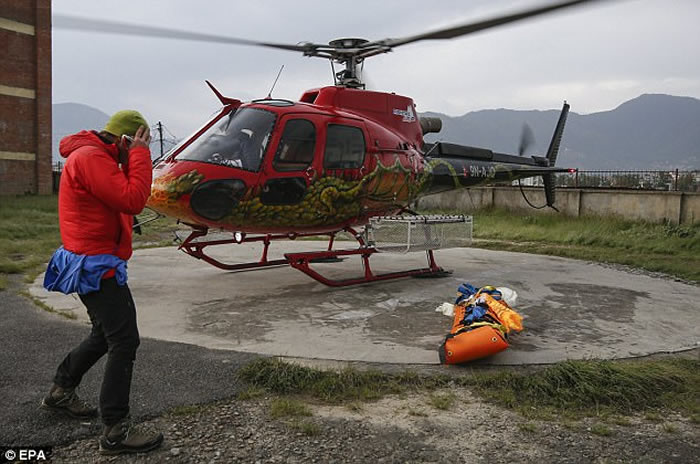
{"x": 269, "y": 95}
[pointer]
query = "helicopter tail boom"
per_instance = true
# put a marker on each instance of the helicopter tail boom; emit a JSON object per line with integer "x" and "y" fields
{"x": 456, "y": 166}
{"x": 552, "y": 153}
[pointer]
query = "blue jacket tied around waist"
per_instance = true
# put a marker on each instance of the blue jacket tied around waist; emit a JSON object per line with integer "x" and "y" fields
{"x": 71, "y": 273}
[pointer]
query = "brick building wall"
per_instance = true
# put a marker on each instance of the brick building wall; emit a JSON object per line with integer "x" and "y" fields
{"x": 25, "y": 97}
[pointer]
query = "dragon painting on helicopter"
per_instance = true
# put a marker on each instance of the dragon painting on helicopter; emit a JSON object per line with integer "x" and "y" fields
{"x": 274, "y": 169}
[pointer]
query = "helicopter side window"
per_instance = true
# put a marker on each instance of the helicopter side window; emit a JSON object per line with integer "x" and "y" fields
{"x": 345, "y": 147}
{"x": 237, "y": 140}
{"x": 295, "y": 151}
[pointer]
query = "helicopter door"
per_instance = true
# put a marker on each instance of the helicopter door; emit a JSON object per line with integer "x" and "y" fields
{"x": 292, "y": 160}
{"x": 344, "y": 152}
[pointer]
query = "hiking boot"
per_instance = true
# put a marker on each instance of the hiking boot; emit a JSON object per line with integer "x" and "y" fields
{"x": 122, "y": 438}
{"x": 66, "y": 401}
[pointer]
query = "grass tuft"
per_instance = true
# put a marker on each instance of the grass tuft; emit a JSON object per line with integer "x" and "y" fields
{"x": 528, "y": 427}
{"x": 347, "y": 384}
{"x": 442, "y": 401}
{"x": 250, "y": 393}
{"x": 355, "y": 406}
{"x": 621, "y": 421}
{"x": 568, "y": 389}
{"x": 585, "y": 386}
{"x": 46, "y": 307}
{"x": 602, "y": 430}
{"x": 307, "y": 428}
{"x": 288, "y": 407}
{"x": 669, "y": 428}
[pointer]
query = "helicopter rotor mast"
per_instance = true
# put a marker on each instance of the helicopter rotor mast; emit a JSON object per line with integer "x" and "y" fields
{"x": 350, "y": 52}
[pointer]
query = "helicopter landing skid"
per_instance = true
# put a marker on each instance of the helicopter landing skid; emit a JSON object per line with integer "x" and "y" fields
{"x": 194, "y": 246}
{"x": 302, "y": 262}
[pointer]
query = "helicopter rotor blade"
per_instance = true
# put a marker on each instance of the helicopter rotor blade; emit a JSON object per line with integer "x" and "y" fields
{"x": 113, "y": 27}
{"x": 527, "y": 138}
{"x": 470, "y": 28}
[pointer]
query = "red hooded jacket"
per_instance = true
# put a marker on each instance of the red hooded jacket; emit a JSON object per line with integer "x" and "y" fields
{"x": 97, "y": 199}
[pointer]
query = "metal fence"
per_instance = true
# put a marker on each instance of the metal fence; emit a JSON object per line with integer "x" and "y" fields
{"x": 674, "y": 180}
{"x": 57, "y": 168}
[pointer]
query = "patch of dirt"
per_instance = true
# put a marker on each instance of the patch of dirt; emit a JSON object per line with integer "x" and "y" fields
{"x": 405, "y": 429}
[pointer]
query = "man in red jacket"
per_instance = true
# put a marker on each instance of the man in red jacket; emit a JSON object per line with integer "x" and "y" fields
{"x": 106, "y": 180}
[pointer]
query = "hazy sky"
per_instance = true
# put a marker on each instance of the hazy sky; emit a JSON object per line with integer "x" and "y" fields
{"x": 596, "y": 57}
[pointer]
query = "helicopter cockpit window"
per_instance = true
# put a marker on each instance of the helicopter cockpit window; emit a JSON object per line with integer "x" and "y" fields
{"x": 295, "y": 151}
{"x": 345, "y": 147}
{"x": 237, "y": 140}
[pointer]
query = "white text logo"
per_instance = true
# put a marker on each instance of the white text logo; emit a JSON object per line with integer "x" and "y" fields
{"x": 407, "y": 114}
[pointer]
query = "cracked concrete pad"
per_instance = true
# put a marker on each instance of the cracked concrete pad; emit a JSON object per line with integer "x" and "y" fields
{"x": 572, "y": 309}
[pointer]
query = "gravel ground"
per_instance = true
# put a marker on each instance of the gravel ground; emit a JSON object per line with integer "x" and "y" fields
{"x": 404, "y": 429}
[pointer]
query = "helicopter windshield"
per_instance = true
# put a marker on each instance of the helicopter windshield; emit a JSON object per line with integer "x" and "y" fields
{"x": 237, "y": 140}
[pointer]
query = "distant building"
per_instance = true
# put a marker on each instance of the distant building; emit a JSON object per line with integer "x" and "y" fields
{"x": 25, "y": 97}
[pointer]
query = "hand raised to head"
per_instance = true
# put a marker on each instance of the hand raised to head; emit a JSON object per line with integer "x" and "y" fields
{"x": 142, "y": 138}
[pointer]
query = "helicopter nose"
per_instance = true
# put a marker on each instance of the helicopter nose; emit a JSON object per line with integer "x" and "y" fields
{"x": 216, "y": 199}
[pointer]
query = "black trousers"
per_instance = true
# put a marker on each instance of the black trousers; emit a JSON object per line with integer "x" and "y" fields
{"x": 114, "y": 331}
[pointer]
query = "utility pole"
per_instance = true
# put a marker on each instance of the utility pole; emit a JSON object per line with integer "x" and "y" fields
{"x": 160, "y": 137}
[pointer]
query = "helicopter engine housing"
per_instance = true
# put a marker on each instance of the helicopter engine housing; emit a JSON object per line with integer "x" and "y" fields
{"x": 430, "y": 124}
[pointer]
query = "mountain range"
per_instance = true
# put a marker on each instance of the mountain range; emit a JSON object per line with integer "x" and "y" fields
{"x": 69, "y": 118}
{"x": 652, "y": 131}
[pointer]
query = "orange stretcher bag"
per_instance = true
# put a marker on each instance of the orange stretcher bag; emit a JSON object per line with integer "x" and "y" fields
{"x": 469, "y": 342}
{"x": 472, "y": 343}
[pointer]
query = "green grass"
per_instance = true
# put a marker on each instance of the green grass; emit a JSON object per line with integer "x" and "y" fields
{"x": 3, "y": 282}
{"x": 666, "y": 248}
{"x": 45, "y": 307}
{"x": 528, "y": 427}
{"x": 305, "y": 427}
{"x": 355, "y": 406}
{"x": 594, "y": 387}
{"x": 29, "y": 234}
{"x": 250, "y": 393}
{"x": 288, "y": 407}
{"x": 620, "y": 420}
{"x": 442, "y": 401}
{"x": 569, "y": 389}
{"x": 333, "y": 386}
{"x": 669, "y": 428}
{"x": 601, "y": 430}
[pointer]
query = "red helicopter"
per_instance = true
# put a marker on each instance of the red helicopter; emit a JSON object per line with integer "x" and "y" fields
{"x": 274, "y": 169}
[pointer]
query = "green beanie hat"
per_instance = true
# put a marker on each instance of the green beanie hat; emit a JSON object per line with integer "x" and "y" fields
{"x": 125, "y": 122}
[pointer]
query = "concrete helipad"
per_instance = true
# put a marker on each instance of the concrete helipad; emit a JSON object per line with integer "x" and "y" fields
{"x": 572, "y": 309}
